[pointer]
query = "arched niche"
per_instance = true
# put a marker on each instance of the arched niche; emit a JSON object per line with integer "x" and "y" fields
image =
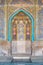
{"x": 10, "y": 23}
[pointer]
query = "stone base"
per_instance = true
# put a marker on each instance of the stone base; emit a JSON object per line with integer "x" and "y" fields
{"x": 30, "y": 60}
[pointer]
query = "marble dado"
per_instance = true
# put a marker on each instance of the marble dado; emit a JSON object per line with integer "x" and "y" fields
{"x": 21, "y": 48}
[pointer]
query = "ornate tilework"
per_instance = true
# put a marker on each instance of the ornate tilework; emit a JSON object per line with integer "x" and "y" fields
{"x": 20, "y": 1}
{"x": 2, "y": 2}
{"x": 21, "y": 31}
{"x": 14, "y": 30}
{"x": 27, "y": 32}
{"x": 2, "y": 24}
{"x": 40, "y": 2}
{"x": 40, "y": 23}
{"x": 20, "y": 18}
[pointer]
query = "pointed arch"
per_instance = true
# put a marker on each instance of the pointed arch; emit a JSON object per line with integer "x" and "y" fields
{"x": 10, "y": 22}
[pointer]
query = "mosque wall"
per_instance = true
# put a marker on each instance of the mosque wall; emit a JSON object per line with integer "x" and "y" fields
{"x": 34, "y": 7}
